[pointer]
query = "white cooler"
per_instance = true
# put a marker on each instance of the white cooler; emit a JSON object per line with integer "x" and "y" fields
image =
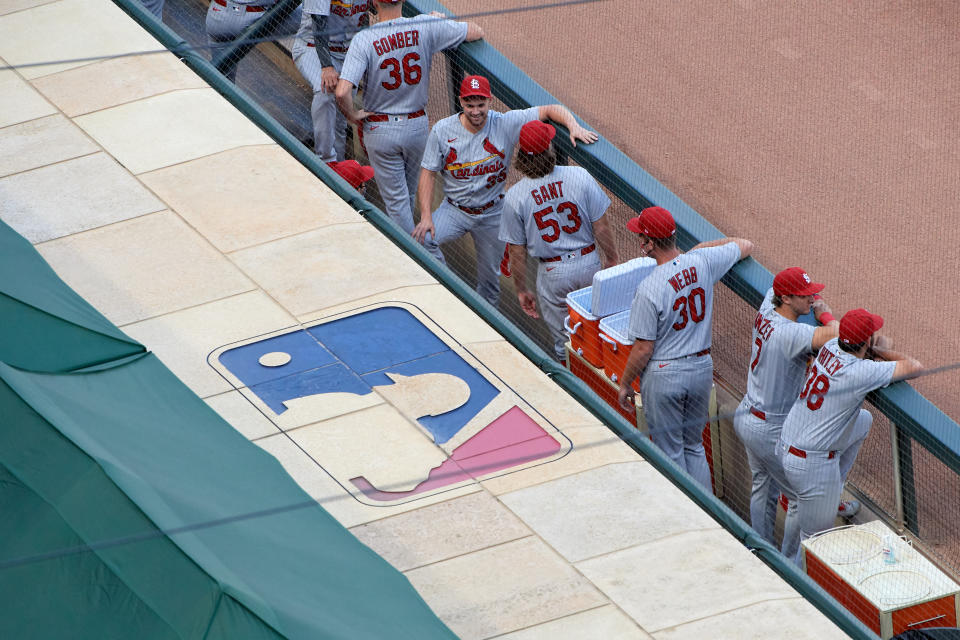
{"x": 611, "y": 292}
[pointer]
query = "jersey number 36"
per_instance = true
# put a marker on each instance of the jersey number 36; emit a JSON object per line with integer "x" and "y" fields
{"x": 411, "y": 72}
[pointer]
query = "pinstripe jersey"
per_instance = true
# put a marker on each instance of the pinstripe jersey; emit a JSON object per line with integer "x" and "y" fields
{"x": 553, "y": 214}
{"x": 673, "y": 305}
{"x": 395, "y": 57}
{"x": 474, "y": 165}
{"x": 778, "y": 360}
{"x": 345, "y": 18}
{"x": 835, "y": 387}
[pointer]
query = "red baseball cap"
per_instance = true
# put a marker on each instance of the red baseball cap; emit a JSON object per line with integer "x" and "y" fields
{"x": 858, "y": 325}
{"x": 475, "y": 86}
{"x": 535, "y": 137}
{"x": 795, "y": 282}
{"x": 352, "y": 171}
{"x": 653, "y": 222}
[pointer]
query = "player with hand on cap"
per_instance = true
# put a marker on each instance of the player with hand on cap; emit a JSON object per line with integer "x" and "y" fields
{"x": 778, "y": 364}
{"x": 393, "y": 58}
{"x": 826, "y": 425}
{"x": 555, "y": 213}
{"x": 472, "y": 151}
{"x": 671, "y": 324}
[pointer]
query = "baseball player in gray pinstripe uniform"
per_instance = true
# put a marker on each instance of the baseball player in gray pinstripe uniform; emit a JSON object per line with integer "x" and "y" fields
{"x": 394, "y": 58}
{"x": 226, "y": 20}
{"x": 326, "y": 29}
{"x": 555, "y": 214}
{"x": 778, "y": 364}
{"x": 670, "y": 321}
{"x": 826, "y": 422}
{"x": 472, "y": 151}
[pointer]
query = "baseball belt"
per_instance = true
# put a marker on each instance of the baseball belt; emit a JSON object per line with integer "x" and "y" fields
{"x": 250, "y": 8}
{"x": 758, "y": 413}
{"x": 475, "y": 211}
{"x": 800, "y": 453}
{"x": 582, "y": 252}
{"x": 334, "y": 48}
{"x": 383, "y": 117}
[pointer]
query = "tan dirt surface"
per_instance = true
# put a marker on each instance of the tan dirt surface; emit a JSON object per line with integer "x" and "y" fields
{"x": 825, "y": 132}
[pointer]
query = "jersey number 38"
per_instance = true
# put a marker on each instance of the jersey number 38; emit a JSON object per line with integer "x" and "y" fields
{"x": 815, "y": 389}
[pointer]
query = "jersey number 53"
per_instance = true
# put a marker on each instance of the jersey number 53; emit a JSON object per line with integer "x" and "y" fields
{"x": 573, "y": 221}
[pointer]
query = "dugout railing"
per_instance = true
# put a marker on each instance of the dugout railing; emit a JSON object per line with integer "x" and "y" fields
{"x": 915, "y": 418}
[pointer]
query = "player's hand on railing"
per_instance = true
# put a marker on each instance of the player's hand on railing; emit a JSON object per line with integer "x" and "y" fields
{"x": 583, "y": 135}
{"x": 420, "y": 231}
{"x": 528, "y": 302}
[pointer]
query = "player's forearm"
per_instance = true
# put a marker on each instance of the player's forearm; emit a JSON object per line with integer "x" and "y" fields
{"x": 425, "y": 193}
{"x": 879, "y": 353}
{"x": 344, "y": 96}
{"x": 320, "y": 40}
{"x": 637, "y": 362}
{"x": 558, "y": 113}
{"x": 518, "y": 267}
{"x": 604, "y": 236}
{"x": 746, "y": 246}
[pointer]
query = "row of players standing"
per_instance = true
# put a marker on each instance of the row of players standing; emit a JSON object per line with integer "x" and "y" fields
{"x": 801, "y": 420}
{"x": 555, "y": 212}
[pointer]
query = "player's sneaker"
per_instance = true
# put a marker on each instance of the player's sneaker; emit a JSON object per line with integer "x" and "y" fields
{"x": 848, "y": 508}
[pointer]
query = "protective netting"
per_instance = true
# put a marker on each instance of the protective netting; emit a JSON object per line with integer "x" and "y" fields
{"x": 896, "y": 475}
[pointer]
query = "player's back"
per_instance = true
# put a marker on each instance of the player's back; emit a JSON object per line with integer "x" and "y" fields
{"x": 835, "y": 386}
{"x": 679, "y": 296}
{"x": 778, "y": 360}
{"x": 345, "y": 18}
{"x": 395, "y": 57}
{"x": 556, "y": 211}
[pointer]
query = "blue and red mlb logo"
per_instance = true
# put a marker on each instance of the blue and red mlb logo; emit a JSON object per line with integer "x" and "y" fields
{"x": 401, "y": 410}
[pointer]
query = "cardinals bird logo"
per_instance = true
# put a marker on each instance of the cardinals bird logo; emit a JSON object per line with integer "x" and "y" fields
{"x": 482, "y": 167}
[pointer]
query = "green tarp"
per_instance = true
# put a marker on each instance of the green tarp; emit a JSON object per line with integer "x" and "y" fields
{"x": 44, "y": 324}
{"x": 129, "y": 509}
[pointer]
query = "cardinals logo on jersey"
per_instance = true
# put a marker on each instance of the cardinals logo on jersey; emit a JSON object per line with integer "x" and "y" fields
{"x": 390, "y": 420}
{"x": 490, "y": 148}
{"x": 482, "y": 167}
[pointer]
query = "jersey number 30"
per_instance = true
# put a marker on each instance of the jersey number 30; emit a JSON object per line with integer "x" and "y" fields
{"x": 815, "y": 389}
{"x": 573, "y": 218}
{"x": 411, "y": 72}
{"x": 691, "y": 307}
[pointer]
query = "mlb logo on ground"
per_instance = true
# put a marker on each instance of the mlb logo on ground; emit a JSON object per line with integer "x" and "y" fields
{"x": 389, "y": 404}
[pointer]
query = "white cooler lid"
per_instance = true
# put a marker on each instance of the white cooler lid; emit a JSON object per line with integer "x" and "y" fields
{"x": 613, "y": 288}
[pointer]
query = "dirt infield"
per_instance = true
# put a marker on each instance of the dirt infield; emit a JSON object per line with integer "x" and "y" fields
{"x": 828, "y": 134}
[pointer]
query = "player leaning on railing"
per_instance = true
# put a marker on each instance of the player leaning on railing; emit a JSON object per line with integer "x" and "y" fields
{"x": 826, "y": 425}
{"x": 671, "y": 324}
